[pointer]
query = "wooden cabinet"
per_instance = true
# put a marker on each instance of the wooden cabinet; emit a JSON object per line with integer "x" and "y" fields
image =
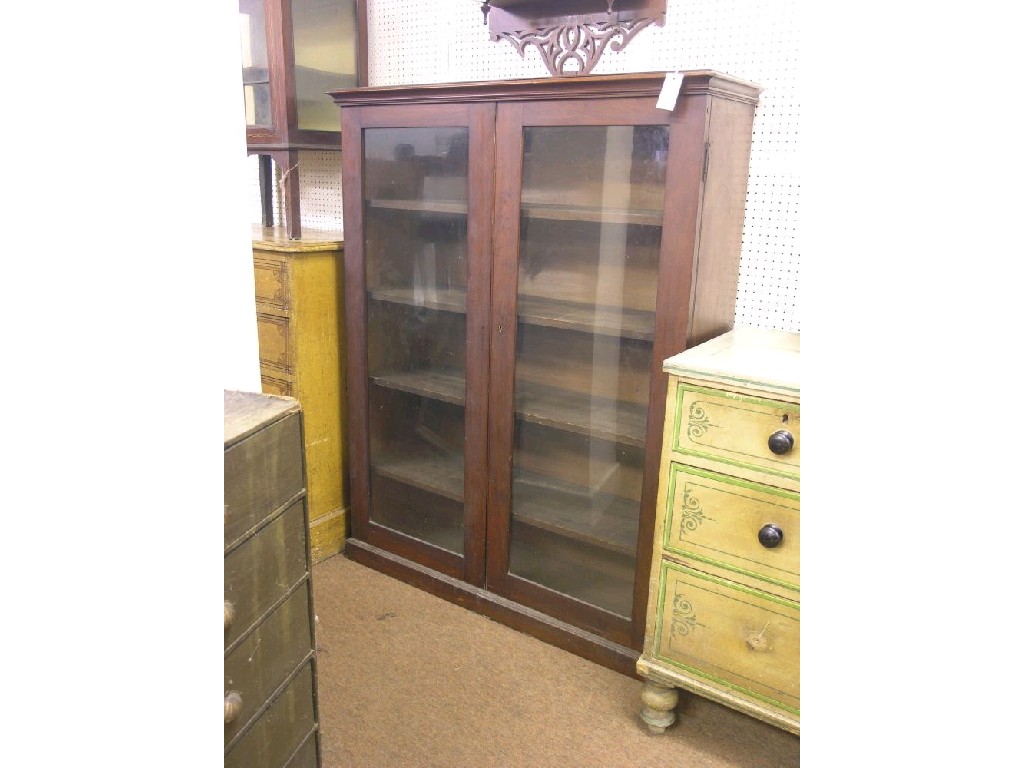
{"x": 724, "y": 607}
{"x": 298, "y": 320}
{"x": 270, "y": 706}
{"x": 293, "y": 52}
{"x": 520, "y": 256}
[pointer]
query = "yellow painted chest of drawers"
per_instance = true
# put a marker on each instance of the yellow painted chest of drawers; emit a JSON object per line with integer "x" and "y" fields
{"x": 724, "y": 603}
{"x": 298, "y": 296}
{"x": 270, "y": 695}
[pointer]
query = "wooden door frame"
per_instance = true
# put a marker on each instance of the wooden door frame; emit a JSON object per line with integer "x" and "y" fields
{"x": 670, "y": 328}
{"x": 478, "y": 120}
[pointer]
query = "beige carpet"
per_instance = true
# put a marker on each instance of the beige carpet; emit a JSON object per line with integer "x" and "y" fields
{"x": 408, "y": 679}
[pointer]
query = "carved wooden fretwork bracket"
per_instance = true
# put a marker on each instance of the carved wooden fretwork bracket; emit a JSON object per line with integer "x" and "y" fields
{"x": 573, "y": 49}
{"x": 570, "y": 44}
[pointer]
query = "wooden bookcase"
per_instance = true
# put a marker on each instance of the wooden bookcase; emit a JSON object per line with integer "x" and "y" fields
{"x": 520, "y": 257}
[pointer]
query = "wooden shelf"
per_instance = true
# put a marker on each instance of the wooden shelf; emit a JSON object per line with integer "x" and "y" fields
{"x": 596, "y": 215}
{"x": 551, "y": 313}
{"x": 532, "y": 210}
{"x": 446, "y": 207}
{"x": 567, "y": 410}
{"x": 450, "y": 300}
{"x": 538, "y": 501}
{"x": 607, "y": 321}
{"x": 437, "y": 385}
{"x": 568, "y": 510}
{"x": 428, "y": 470}
{"x": 558, "y": 408}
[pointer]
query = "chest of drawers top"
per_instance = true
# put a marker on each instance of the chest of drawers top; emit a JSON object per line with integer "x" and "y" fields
{"x": 247, "y": 412}
{"x": 754, "y": 361}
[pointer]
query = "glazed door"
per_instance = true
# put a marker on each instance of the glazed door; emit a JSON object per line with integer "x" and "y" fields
{"x": 417, "y": 293}
{"x": 578, "y": 255}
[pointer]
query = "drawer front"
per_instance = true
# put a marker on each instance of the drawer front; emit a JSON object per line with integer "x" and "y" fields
{"x": 274, "y": 340}
{"x": 307, "y": 756}
{"x": 280, "y": 730}
{"x": 712, "y": 426}
{"x": 272, "y": 383}
{"x": 263, "y": 661}
{"x": 271, "y": 282}
{"x": 260, "y": 572}
{"x": 738, "y": 640}
{"x": 261, "y": 473}
{"x": 717, "y": 518}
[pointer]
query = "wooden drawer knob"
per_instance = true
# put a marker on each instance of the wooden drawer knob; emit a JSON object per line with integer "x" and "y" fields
{"x": 232, "y": 706}
{"x": 770, "y": 536}
{"x": 229, "y": 614}
{"x": 781, "y": 442}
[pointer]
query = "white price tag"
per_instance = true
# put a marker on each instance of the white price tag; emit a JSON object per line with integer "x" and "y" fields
{"x": 670, "y": 91}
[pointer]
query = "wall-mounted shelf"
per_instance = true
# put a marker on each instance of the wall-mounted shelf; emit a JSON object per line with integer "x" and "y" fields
{"x": 570, "y": 35}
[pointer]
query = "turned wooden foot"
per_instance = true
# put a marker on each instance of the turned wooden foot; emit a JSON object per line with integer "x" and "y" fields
{"x": 659, "y": 706}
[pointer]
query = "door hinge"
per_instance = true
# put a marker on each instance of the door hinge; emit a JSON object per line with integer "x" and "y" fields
{"x": 707, "y": 152}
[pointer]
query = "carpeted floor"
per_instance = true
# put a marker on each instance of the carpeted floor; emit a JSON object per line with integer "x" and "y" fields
{"x": 408, "y": 679}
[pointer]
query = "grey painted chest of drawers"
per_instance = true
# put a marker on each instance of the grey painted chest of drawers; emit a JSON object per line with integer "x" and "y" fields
{"x": 270, "y": 692}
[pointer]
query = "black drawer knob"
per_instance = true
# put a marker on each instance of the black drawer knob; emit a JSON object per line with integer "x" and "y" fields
{"x": 781, "y": 442}
{"x": 770, "y": 536}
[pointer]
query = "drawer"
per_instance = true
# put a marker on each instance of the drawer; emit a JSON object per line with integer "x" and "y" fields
{"x": 261, "y": 473}
{"x": 280, "y": 730}
{"x": 717, "y": 519}
{"x": 261, "y": 663}
{"x": 272, "y": 383}
{"x": 260, "y": 571}
{"x": 307, "y": 756}
{"x": 271, "y": 282}
{"x": 274, "y": 340}
{"x": 713, "y": 427}
{"x": 740, "y": 641}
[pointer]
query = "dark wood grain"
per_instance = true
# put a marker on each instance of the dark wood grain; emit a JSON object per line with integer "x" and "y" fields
{"x": 409, "y": 548}
{"x": 504, "y": 274}
{"x": 722, "y": 209}
{"x": 645, "y": 84}
{"x": 478, "y": 313}
{"x": 355, "y": 321}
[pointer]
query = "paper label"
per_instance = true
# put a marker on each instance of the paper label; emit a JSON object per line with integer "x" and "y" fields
{"x": 670, "y": 91}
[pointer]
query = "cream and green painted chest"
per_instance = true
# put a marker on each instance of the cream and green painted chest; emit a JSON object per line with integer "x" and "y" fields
{"x": 723, "y": 616}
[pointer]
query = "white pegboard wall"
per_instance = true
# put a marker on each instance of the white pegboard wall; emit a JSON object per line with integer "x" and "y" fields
{"x": 756, "y": 40}
{"x": 319, "y": 191}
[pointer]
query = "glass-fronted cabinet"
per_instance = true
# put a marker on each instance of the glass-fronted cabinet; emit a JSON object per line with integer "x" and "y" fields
{"x": 521, "y": 258}
{"x": 293, "y": 53}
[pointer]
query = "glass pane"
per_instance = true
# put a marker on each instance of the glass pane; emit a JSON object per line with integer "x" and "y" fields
{"x": 326, "y": 42}
{"x": 255, "y": 70}
{"x": 590, "y": 235}
{"x": 414, "y": 210}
